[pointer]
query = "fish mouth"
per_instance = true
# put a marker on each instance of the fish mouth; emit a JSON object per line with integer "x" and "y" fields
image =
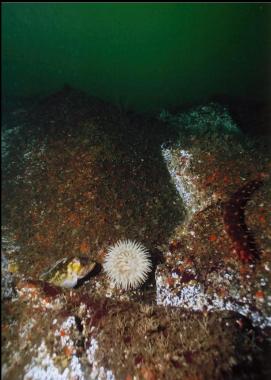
{"x": 69, "y": 283}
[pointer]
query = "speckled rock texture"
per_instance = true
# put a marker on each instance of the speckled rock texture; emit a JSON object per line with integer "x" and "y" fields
{"x": 219, "y": 258}
{"x": 80, "y": 174}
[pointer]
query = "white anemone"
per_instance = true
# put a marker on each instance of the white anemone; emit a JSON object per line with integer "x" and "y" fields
{"x": 127, "y": 264}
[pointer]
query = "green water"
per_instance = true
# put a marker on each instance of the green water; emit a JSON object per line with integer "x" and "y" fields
{"x": 142, "y": 56}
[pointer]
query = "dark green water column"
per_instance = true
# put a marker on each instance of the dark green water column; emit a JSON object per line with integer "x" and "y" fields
{"x": 144, "y": 56}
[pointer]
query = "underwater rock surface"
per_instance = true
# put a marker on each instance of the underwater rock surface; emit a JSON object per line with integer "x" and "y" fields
{"x": 78, "y": 176}
{"x": 210, "y": 263}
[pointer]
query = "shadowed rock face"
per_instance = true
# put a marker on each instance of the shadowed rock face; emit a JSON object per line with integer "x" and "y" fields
{"x": 84, "y": 180}
{"x": 252, "y": 117}
{"x": 80, "y": 175}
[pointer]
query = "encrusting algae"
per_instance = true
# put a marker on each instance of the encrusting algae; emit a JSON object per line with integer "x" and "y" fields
{"x": 66, "y": 195}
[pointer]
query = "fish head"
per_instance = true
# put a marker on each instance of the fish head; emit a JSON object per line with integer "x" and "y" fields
{"x": 80, "y": 266}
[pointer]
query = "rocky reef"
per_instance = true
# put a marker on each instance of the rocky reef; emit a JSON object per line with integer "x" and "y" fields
{"x": 79, "y": 175}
